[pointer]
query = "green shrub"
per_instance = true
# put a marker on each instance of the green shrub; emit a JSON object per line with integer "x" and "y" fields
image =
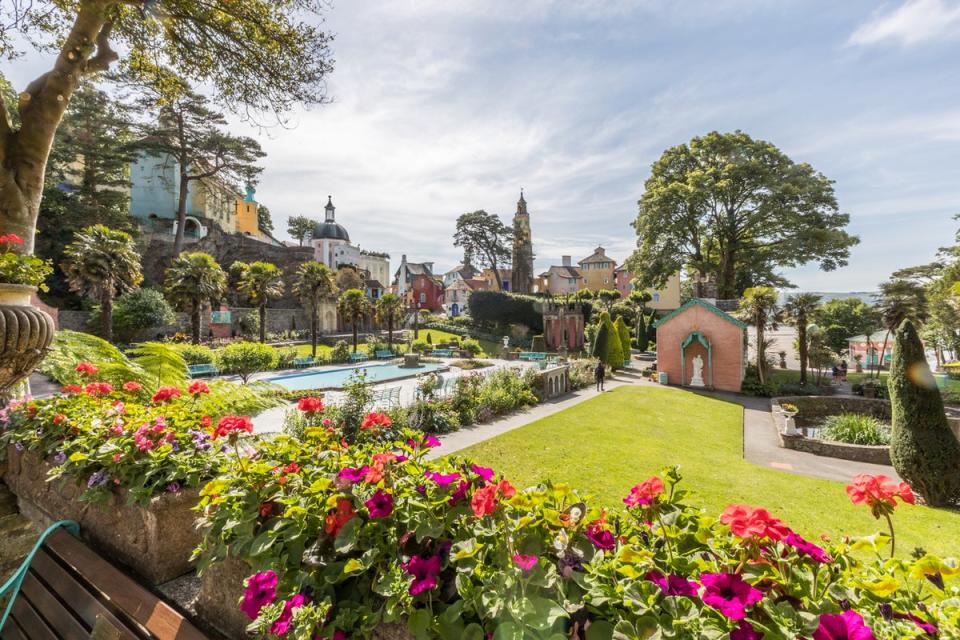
{"x": 923, "y": 450}
{"x": 248, "y": 324}
{"x": 285, "y": 357}
{"x": 854, "y": 428}
{"x": 506, "y": 390}
{"x": 623, "y": 331}
{"x": 422, "y": 346}
{"x": 340, "y": 352}
{"x": 196, "y": 353}
{"x": 471, "y": 345}
{"x": 138, "y": 310}
{"x": 429, "y": 338}
{"x": 246, "y": 358}
{"x": 72, "y": 347}
{"x": 752, "y": 386}
{"x": 614, "y": 354}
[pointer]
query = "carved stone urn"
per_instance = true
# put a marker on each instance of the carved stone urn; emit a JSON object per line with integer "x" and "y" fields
{"x": 25, "y": 334}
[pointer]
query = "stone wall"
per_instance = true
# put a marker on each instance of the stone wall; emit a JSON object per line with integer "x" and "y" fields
{"x": 856, "y": 452}
{"x": 813, "y": 409}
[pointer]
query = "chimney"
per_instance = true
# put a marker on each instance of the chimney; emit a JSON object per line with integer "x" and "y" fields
{"x": 566, "y": 261}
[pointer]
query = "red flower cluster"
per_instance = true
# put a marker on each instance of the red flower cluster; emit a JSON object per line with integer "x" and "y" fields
{"x": 375, "y": 419}
{"x": 87, "y": 369}
{"x": 340, "y": 517}
{"x": 230, "y": 425}
{"x": 72, "y": 388}
{"x": 197, "y": 388}
{"x": 165, "y": 393}
{"x": 310, "y": 405}
{"x": 11, "y": 238}
{"x": 747, "y": 522}
{"x": 645, "y": 492}
{"x": 98, "y": 389}
{"x": 879, "y": 493}
{"x": 132, "y": 385}
{"x": 485, "y": 499}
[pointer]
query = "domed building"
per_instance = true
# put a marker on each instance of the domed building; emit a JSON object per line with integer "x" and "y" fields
{"x": 332, "y": 247}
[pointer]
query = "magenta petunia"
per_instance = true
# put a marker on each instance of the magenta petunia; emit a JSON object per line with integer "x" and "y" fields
{"x": 848, "y": 625}
{"x": 353, "y": 474}
{"x": 729, "y": 594}
{"x": 431, "y": 442}
{"x": 525, "y": 562}
{"x": 809, "y": 549}
{"x": 281, "y": 625}
{"x": 745, "y": 631}
{"x": 674, "y": 585}
{"x": 484, "y": 472}
{"x": 424, "y": 572}
{"x": 601, "y": 537}
{"x": 261, "y": 590}
{"x": 459, "y": 493}
{"x": 442, "y": 479}
{"x": 380, "y": 505}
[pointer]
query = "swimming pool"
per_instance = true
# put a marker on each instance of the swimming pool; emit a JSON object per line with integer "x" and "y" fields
{"x": 336, "y": 378}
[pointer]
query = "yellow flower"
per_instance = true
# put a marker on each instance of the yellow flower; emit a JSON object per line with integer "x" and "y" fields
{"x": 882, "y": 587}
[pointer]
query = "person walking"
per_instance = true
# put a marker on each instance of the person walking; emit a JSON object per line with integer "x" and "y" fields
{"x": 598, "y": 374}
{"x": 843, "y": 371}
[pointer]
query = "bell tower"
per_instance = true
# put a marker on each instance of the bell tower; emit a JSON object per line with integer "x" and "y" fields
{"x": 521, "y": 280}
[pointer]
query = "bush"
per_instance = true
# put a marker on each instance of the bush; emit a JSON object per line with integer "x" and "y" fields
{"x": 285, "y": 357}
{"x": 506, "y": 390}
{"x": 854, "y": 428}
{"x": 499, "y": 308}
{"x": 924, "y": 450}
{"x": 340, "y": 352}
{"x": 752, "y": 386}
{"x": 613, "y": 356}
{"x": 248, "y": 324}
{"x": 246, "y": 358}
{"x": 624, "y": 332}
{"x": 196, "y": 353}
{"x": 471, "y": 345}
{"x": 422, "y": 346}
{"x": 139, "y": 310}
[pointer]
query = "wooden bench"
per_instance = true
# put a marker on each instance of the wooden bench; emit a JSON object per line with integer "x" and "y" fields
{"x": 197, "y": 370}
{"x": 384, "y": 354}
{"x": 65, "y": 590}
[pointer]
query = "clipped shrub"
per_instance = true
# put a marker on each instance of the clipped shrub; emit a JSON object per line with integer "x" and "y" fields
{"x": 501, "y": 308}
{"x": 471, "y": 345}
{"x": 429, "y": 338}
{"x": 623, "y": 331}
{"x": 421, "y": 346}
{"x": 643, "y": 338}
{"x": 139, "y": 310}
{"x": 614, "y": 355}
{"x": 196, "y": 353}
{"x": 340, "y": 352}
{"x": 923, "y": 450}
{"x": 246, "y": 358}
{"x": 855, "y": 428}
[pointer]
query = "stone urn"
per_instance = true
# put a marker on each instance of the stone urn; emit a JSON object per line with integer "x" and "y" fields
{"x": 25, "y": 334}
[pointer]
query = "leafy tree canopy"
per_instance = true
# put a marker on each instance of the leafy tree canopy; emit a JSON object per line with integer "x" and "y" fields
{"x": 483, "y": 235}
{"x": 298, "y": 227}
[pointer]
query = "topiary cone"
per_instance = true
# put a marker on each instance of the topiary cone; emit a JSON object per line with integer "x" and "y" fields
{"x": 923, "y": 449}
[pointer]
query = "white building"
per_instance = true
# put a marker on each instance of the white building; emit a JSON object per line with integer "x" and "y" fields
{"x": 332, "y": 247}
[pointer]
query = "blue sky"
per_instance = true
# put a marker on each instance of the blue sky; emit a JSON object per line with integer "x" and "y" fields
{"x": 442, "y": 107}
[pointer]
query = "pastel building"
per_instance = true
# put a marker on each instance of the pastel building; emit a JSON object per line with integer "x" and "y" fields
{"x": 665, "y": 299}
{"x": 597, "y": 270}
{"x": 562, "y": 279}
{"x": 456, "y": 296}
{"x": 868, "y": 349}
{"x": 416, "y": 284}
{"x": 332, "y": 247}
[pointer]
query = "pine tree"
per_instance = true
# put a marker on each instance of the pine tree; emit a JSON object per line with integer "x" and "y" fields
{"x": 643, "y": 340}
{"x": 624, "y": 332}
{"x": 923, "y": 449}
{"x": 614, "y": 357}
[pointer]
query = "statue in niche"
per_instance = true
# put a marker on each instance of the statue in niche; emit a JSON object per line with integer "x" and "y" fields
{"x": 697, "y": 379}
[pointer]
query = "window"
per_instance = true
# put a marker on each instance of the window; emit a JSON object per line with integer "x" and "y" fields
{"x": 423, "y": 298}
{"x": 606, "y": 281}
{"x": 656, "y": 297}
{"x": 571, "y": 280}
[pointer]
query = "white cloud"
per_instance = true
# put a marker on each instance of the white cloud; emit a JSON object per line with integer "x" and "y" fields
{"x": 915, "y": 21}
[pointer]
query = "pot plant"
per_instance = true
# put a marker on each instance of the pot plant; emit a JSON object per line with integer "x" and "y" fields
{"x": 783, "y": 359}
{"x": 25, "y": 332}
{"x": 858, "y": 358}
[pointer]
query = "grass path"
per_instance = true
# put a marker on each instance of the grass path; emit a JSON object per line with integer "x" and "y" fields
{"x": 606, "y": 445}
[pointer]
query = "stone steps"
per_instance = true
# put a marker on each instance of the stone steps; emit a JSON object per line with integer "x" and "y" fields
{"x": 17, "y": 534}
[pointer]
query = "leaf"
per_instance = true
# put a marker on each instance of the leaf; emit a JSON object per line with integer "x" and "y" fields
{"x": 507, "y": 631}
{"x": 465, "y": 549}
{"x": 600, "y": 630}
{"x": 419, "y": 623}
{"x": 261, "y": 543}
{"x": 473, "y": 632}
{"x": 347, "y": 538}
{"x": 77, "y": 456}
{"x": 353, "y": 566}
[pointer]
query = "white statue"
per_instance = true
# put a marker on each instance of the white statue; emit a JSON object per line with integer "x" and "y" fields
{"x": 697, "y": 379}
{"x": 506, "y": 342}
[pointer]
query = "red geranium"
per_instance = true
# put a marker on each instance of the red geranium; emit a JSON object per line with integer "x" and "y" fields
{"x": 484, "y": 500}
{"x": 11, "y": 238}
{"x": 197, "y": 388}
{"x": 87, "y": 369}
{"x": 375, "y": 419}
{"x": 747, "y": 522}
{"x": 645, "y": 492}
{"x": 72, "y": 388}
{"x": 879, "y": 493}
{"x": 341, "y": 516}
{"x": 230, "y": 425}
{"x": 165, "y": 393}
{"x": 310, "y": 405}
{"x": 98, "y": 389}
{"x": 132, "y": 385}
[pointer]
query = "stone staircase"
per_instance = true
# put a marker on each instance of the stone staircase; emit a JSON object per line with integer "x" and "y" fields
{"x": 17, "y": 534}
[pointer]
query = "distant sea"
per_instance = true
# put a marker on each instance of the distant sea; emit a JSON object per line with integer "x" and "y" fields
{"x": 870, "y": 297}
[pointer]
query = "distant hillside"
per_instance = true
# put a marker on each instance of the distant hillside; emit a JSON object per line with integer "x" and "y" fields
{"x": 867, "y": 296}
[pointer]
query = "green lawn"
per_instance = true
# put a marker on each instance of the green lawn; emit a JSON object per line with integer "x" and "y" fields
{"x": 436, "y": 336}
{"x": 606, "y": 445}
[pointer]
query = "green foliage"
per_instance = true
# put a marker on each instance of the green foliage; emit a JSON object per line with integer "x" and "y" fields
{"x": 429, "y": 339}
{"x": 499, "y": 309}
{"x": 137, "y": 310}
{"x": 260, "y": 282}
{"x": 354, "y": 307}
{"x": 340, "y": 351}
{"x": 924, "y": 450}
{"x": 643, "y": 338}
{"x": 421, "y": 345}
{"x": 246, "y": 358}
{"x": 506, "y": 390}
{"x": 196, "y": 353}
{"x": 71, "y": 347}
{"x": 161, "y": 361}
{"x": 735, "y": 208}
{"x": 193, "y": 279}
{"x": 483, "y": 236}
{"x": 613, "y": 356}
{"x": 298, "y": 227}
{"x": 471, "y": 345}
{"x": 855, "y": 428}
{"x": 623, "y": 331}
{"x": 22, "y": 269}
{"x": 758, "y": 306}
{"x": 844, "y": 318}
{"x": 601, "y": 337}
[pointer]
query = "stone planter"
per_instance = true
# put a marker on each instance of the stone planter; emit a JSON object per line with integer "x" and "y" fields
{"x": 221, "y": 590}
{"x": 155, "y": 540}
{"x": 25, "y": 334}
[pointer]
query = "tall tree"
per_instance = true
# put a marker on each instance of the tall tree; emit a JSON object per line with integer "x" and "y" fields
{"x": 349, "y": 278}
{"x": 188, "y": 133}
{"x": 725, "y": 204}
{"x": 844, "y": 318}
{"x": 899, "y": 300}
{"x": 759, "y": 307}
{"x": 102, "y": 263}
{"x": 260, "y": 282}
{"x": 483, "y": 235}
{"x": 192, "y": 279}
{"x": 264, "y": 219}
{"x": 354, "y": 307}
{"x": 314, "y": 284}
{"x": 608, "y": 297}
{"x": 298, "y": 227}
{"x": 798, "y": 309}
{"x": 639, "y": 298}
{"x": 258, "y": 56}
{"x": 88, "y": 179}
{"x": 389, "y": 311}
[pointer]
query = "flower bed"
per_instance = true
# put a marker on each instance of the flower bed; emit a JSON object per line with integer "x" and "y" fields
{"x": 342, "y": 538}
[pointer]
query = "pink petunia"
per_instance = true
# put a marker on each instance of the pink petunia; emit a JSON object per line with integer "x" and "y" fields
{"x": 745, "y": 631}
{"x": 808, "y": 549}
{"x": 353, "y": 474}
{"x": 848, "y": 625}
{"x": 261, "y": 590}
{"x": 424, "y": 572}
{"x": 281, "y": 625}
{"x": 525, "y": 562}
{"x": 380, "y": 505}
{"x": 729, "y": 594}
{"x": 674, "y": 585}
{"x": 442, "y": 479}
{"x": 485, "y": 473}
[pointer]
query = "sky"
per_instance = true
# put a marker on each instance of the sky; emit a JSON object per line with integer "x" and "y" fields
{"x": 440, "y": 107}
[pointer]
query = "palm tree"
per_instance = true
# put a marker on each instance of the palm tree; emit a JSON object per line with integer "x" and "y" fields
{"x": 260, "y": 282}
{"x": 102, "y": 263}
{"x": 759, "y": 307}
{"x": 192, "y": 279}
{"x": 315, "y": 283}
{"x": 900, "y": 300}
{"x": 389, "y": 311}
{"x": 798, "y": 309}
{"x": 353, "y": 307}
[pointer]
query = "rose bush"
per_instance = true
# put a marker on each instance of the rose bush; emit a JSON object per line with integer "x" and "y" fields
{"x": 342, "y": 538}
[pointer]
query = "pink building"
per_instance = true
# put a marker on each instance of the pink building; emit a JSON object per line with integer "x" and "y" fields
{"x": 699, "y": 337}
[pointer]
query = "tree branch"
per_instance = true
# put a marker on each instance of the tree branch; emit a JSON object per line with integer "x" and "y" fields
{"x": 105, "y": 56}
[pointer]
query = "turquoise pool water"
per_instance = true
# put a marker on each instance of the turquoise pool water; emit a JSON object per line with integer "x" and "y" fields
{"x": 336, "y": 378}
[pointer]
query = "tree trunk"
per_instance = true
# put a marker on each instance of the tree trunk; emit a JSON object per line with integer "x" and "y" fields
{"x": 314, "y": 313}
{"x": 761, "y": 355}
{"x": 390, "y": 331}
{"x": 354, "y": 325}
{"x": 106, "y": 312}
{"x": 195, "y": 321}
{"x": 181, "y": 212}
{"x": 263, "y": 323}
{"x": 727, "y": 281}
{"x": 880, "y": 358}
{"x": 802, "y": 339}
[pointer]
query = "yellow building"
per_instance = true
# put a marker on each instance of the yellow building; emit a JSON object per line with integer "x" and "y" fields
{"x": 597, "y": 271}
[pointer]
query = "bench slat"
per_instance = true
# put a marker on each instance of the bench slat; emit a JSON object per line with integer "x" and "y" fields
{"x": 161, "y": 620}
{"x": 51, "y": 609}
{"x": 11, "y": 631}
{"x": 30, "y": 621}
{"x": 68, "y": 589}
